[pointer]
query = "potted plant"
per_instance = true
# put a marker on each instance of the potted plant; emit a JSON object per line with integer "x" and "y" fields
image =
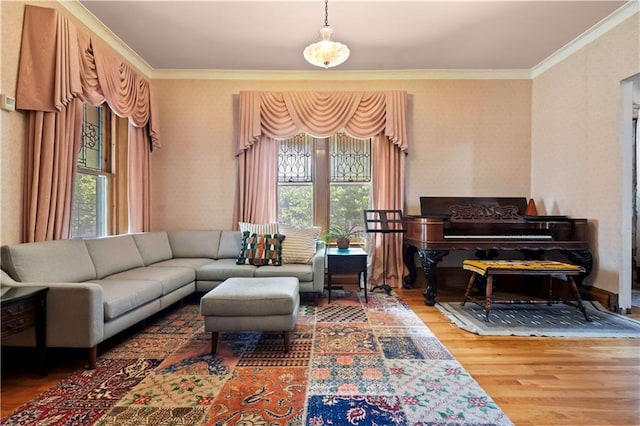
{"x": 342, "y": 234}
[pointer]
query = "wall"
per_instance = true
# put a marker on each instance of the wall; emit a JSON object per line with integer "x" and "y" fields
{"x": 12, "y": 126}
{"x": 576, "y": 149}
{"x": 467, "y": 137}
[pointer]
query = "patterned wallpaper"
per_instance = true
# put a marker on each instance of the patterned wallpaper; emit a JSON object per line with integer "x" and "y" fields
{"x": 468, "y": 137}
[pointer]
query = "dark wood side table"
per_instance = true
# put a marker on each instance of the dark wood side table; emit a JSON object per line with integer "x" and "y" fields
{"x": 347, "y": 261}
{"x": 23, "y": 307}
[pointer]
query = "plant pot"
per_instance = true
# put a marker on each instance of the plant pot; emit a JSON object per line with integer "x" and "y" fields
{"x": 342, "y": 243}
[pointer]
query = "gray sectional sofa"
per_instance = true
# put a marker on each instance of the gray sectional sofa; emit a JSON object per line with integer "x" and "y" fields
{"x": 99, "y": 287}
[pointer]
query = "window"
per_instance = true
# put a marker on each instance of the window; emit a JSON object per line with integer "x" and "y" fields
{"x": 91, "y": 195}
{"x": 324, "y": 181}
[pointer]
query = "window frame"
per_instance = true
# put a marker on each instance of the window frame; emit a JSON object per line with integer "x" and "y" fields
{"x": 107, "y": 165}
{"x": 321, "y": 184}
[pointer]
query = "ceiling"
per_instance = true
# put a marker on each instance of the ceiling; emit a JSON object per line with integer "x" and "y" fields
{"x": 382, "y": 35}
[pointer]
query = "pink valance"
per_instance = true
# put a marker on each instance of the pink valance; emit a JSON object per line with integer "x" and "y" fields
{"x": 280, "y": 115}
{"x": 59, "y": 62}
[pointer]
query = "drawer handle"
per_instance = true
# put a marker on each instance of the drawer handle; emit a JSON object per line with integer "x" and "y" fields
{"x": 15, "y": 325}
{"x": 15, "y": 311}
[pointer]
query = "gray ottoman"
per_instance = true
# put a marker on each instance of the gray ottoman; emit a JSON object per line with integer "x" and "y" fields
{"x": 251, "y": 304}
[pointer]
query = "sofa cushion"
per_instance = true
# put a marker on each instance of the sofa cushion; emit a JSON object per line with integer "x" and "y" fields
{"x": 115, "y": 254}
{"x": 260, "y": 249}
{"x": 230, "y": 244}
{"x": 171, "y": 278}
{"x": 153, "y": 247}
{"x": 299, "y": 245}
{"x": 122, "y": 296}
{"x": 49, "y": 261}
{"x": 193, "y": 263}
{"x": 198, "y": 243}
{"x": 221, "y": 269}
{"x": 301, "y": 271}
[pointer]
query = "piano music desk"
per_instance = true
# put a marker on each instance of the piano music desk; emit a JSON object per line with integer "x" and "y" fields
{"x": 490, "y": 268}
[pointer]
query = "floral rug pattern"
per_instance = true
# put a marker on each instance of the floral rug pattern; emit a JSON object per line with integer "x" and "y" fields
{"x": 350, "y": 363}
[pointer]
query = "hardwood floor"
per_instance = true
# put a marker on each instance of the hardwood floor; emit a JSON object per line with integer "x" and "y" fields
{"x": 542, "y": 380}
{"x": 535, "y": 380}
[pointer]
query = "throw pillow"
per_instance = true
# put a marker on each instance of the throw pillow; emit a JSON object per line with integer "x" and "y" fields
{"x": 300, "y": 245}
{"x": 260, "y": 249}
{"x": 258, "y": 228}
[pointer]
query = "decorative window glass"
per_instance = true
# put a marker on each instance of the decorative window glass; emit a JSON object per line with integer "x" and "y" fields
{"x": 349, "y": 159}
{"x": 89, "y": 214}
{"x": 295, "y": 156}
{"x": 90, "y": 156}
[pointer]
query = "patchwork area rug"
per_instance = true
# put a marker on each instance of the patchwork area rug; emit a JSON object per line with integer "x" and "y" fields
{"x": 350, "y": 363}
{"x": 540, "y": 320}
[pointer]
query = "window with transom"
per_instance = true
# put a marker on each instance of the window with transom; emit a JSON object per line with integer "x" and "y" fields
{"x": 324, "y": 181}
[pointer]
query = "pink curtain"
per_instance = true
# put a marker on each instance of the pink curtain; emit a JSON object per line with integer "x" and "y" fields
{"x": 279, "y": 115}
{"x": 387, "y": 194}
{"x": 257, "y": 183}
{"x": 53, "y": 142}
{"x": 59, "y": 65}
{"x": 139, "y": 218}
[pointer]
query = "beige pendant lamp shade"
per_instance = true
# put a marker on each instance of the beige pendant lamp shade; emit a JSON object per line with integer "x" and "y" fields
{"x": 326, "y": 53}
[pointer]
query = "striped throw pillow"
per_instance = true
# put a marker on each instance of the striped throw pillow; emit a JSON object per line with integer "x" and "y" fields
{"x": 300, "y": 244}
{"x": 258, "y": 228}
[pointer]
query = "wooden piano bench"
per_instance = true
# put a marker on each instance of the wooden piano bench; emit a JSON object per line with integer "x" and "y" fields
{"x": 549, "y": 268}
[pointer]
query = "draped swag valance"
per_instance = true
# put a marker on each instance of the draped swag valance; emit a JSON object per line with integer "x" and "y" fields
{"x": 280, "y": 115}
{"x": 59, "y": 62}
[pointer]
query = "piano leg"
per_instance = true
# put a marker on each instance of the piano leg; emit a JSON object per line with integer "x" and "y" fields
{"x": 430, "y": 259}
{"x": 409, "y": 280}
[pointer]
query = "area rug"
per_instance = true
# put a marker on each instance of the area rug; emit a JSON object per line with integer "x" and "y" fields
{"x": 350, "y": 363}
{"x": 557, "y": 320}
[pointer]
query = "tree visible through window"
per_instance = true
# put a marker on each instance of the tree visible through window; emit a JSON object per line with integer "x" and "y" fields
{"x": 89, "y": 215}
{"x": 324, "y": 181}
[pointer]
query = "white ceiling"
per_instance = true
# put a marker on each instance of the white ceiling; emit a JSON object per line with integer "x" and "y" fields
{"x": 382, "y": 35}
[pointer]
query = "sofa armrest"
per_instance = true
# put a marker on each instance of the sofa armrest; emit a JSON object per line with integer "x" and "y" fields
{"x": 75, "y": 315}
{"x": 318, "y": 268}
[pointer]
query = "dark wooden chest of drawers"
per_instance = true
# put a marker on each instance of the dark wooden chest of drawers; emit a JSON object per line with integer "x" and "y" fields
{"x": 23, "y": 308}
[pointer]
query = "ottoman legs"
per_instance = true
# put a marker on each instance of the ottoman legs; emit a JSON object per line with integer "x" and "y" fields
{"x": 285, "y": 336}
{"x": 287, "y": 341}
{"x": 214, "y": 342}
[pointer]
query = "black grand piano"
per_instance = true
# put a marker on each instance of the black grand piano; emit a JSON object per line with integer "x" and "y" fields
{"x": 487, "y": 225}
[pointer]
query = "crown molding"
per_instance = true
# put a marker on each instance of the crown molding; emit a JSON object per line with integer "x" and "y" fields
{"x": 516, "y": 74}
{"x": 614, "y": 19}
{"x": 83, "y": 14}
{"x": 94, "y": 24}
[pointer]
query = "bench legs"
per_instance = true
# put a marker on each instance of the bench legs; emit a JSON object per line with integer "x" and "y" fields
{"x": 286, "y": 336}
{"x": 486, "y": 303}
{"x": 472, "y": 280}
{"x": 487, "y": 300}
{"x": 576, "y": 293}
{"x": 488, "y": 292}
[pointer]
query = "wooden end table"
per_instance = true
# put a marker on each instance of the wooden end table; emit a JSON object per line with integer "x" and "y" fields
{"x": 23, "y": 307}
{"x": 347, "y": 261}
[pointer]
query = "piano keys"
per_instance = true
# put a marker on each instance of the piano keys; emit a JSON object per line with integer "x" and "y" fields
{"x": 488, "y": 226}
